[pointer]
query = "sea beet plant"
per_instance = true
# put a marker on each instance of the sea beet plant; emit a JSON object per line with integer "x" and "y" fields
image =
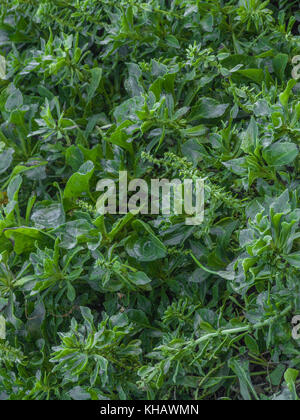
{"x": 135, "y": 306}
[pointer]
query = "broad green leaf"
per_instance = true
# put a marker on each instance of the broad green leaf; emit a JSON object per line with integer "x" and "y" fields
{"x": 250, "y": 137}
{"x": 252, "y": 345}
{"x": 119, "y": 225}
{"x": 208, "y": 108}
{"x": 74, "y": 157}
{"x": 120, "y": 137}
{"x": 256, "y": 75}
{"x": 139, "y": 317}
{"x": 48, "y": 215}
{"x": 294, "y": 259}
{"x": 172, "y": 41}
{"x": 6, "y": 159}
{"x": 78, "y": 184}
{"x": 199, "y": 130}
{"x": 14, "y": 188}
{"x": 290, "y": 377}
{"x": 126, "y": 111}
{"x": 96, "y": 79}
{"x": 284, "y": 97}
{"x": 277, "y": 375}
{"x": 280, "y": 154}
{"x": 145, "y": 249}
{"x": 281, "y": 204}
{"x": 71, "y": 292}
{"x": 280, "y": 62}
{"x": 193, "y": 151}
{"x": 14, "y": 101}
{"x": 237, "y": 166}
{"x": 24, "y": 238}
{"x": 139, "y": 278}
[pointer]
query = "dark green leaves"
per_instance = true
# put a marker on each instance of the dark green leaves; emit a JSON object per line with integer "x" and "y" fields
{"x": 89, "y": 351}
{"x": 142, "y": 306}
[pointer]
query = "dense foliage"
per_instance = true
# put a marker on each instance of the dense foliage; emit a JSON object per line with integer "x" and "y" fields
{"x": 147, "y": 307}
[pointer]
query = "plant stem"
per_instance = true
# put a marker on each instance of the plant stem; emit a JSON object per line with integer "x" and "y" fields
{"x": 246, "y": 328}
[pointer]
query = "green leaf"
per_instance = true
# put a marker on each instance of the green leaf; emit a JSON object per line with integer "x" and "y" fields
{"x": 293, "y": 259}
{"x": 241, "y": 369}
{"x": 24, "y": 238}
{"x": 145, "y": 249}
{"x": 277, "y": 375}
{"x": 14, "y": 101}
{"x": 78, "y": 184}
{"x": 256, "y": 75}
{"x": 280, "y": 154}
{"x": 284, "y": 97}
{"x": 279, "y": 63}
{"x": 122, "y": 138}
{"x": 281, "y": 204}
{"x": 145, "y": 246}
{"x": 48, "y": 215}
{"x": 237, "y": 166}
{"x": 139, "y": 278}
{"x": 71, "y": 292}
{"x": 119, "y": 225}
{"x": 143, "y": 306}
{"x": 14, "y": 188}
{"x": 6, "y": 159}
{"x": 95, "y": 82}
{"x": 250, "y": 137}
{"x": 139, "y": 317}
{"x": 207, "y": 22}
{"x": 208, "y": 108}
{"x": 126, "y": 111}
{"x": 172, "y": 41}
{"x": 252, "y": 345}
{"x": 193, "y": 151}
{"x": 199, "y": 130}
{"x": 290, "y": 377}
{"x": 74, "y": 157}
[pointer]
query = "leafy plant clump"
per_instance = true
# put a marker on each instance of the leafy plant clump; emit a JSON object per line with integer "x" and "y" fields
{"x": 137, "y": 306}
